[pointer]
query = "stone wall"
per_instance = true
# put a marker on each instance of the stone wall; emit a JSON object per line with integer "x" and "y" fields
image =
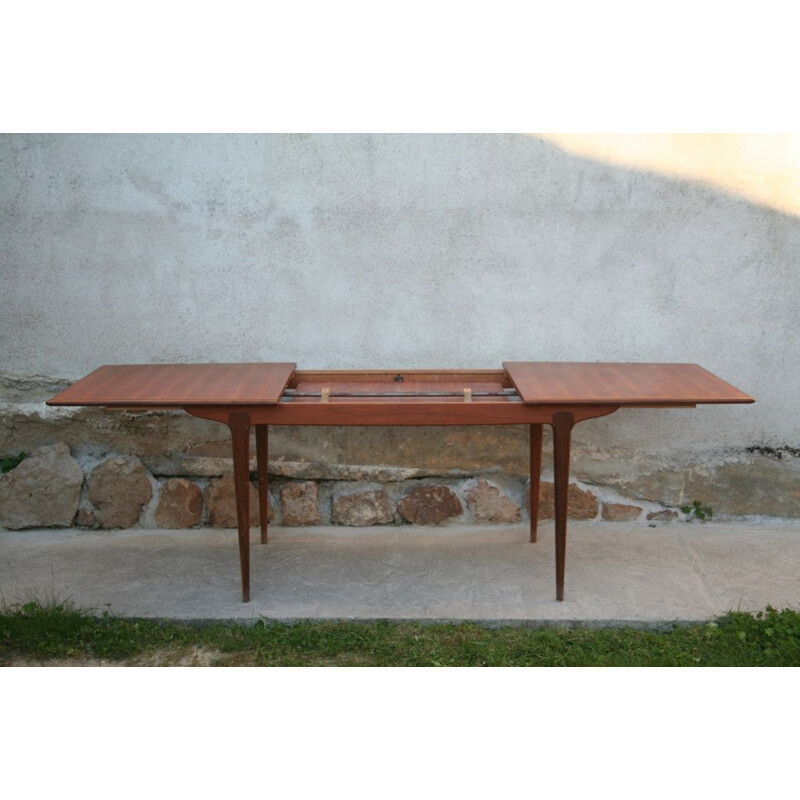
{"x": 184, "y": 468}
{"x": 49, "y": 488}
{"x": 117, "y": 469}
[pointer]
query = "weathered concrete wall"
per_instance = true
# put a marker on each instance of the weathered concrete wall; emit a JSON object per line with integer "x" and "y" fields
{"x": 398, "y": 251}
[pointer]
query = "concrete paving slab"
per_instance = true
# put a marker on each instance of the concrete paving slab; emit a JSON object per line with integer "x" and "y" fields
{"x": 749, "y": 567}
{"x": 616, "y": 573}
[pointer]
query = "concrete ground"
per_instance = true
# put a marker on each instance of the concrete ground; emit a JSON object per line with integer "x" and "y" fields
{"x": 616, "y": 573}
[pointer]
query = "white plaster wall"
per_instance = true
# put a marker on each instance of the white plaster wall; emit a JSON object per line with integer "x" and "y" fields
{"x": 395, "y": 251}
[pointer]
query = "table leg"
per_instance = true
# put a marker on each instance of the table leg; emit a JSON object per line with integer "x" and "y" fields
{"x": 562, "y": 429}
{"x": 239, "y": 423}
{"x": 536, "y": 476}
{"x": 262, "y": 449}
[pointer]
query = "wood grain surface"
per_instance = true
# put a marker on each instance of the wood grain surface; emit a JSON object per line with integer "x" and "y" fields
{"x": 538, "y": 383}
{"x": 575, "y": 383}
{"x": 179, "y": 385}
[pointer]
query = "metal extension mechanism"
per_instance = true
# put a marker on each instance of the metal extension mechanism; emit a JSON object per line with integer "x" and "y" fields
{"x": 296, "y": 393}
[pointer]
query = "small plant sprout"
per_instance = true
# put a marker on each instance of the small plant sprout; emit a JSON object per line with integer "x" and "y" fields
{"x": 698, "y": 511}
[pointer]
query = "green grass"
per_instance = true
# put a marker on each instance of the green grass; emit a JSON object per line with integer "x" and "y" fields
{"x": 56, "y": 631}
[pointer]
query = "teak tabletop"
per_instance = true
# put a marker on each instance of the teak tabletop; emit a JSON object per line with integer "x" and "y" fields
{"x": 620, "y": 384}
{"x": 179, "y": 385}
{"x": 528, "y": 393}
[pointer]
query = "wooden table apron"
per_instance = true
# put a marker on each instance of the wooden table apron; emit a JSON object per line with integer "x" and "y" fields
{"x": 240, "y": 419}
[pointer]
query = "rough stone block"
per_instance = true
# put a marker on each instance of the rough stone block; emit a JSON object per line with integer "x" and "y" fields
{"x": 430, "y": 505}
{"x": 360, "y": 508}
{"x": 427, "y": 451}
{"x": 220, "y": 499}
{"x": 746, "y": 485}
{"x": 118, "y": 489}
{"x": 299, "y": 503}
{"x": 43, "y": 491}
{"x": 489, "y": 504}
{"x": 758, "y": 485}
{"x": 180, "y": 504}
{"x": 619, "y": 512}
{"x": 667, "y": 515}
{"x": 581, "y": 503}
{"x": 85, "y": 517}
{"x": 319, "y": 471}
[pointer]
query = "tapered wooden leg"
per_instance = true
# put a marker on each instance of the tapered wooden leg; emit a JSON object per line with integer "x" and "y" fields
{"x": 562, "y": 429}
{"x": 239, "y": 423}
{"x": 536, "y": 476}
{"x": 262, "y": 449}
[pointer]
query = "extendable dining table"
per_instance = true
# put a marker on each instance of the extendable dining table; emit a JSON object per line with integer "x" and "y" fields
{"x": 245, "y": 396}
